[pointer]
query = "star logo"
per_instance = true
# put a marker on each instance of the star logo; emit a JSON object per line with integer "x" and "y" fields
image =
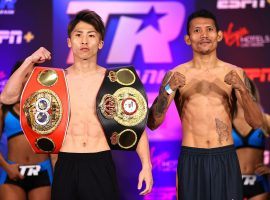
{"x": 149, "y": 19}
{"x": 28, "y": 37}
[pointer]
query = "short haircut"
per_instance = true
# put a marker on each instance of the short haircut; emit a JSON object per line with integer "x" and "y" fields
{"x": 204, "y": 14}
{"x": 89, "y": 17}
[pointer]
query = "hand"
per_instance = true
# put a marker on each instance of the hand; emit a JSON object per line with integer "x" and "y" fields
{"x": 146, "y": 176}
{"x": 13, "y": 172}
{"x": 262, "y": 169}
{"x": 40, "y": 56}
{"x": 177, "y": 80}
{"x": 233, "y": 79}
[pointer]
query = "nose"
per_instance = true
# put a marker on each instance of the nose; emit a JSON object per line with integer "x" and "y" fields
{"x": 84, "y": 40}
{"x": 204, "y": 34}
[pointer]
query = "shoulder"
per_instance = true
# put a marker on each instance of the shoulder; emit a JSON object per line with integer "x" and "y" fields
{"x": 67, "y": 70}
{"x": 227, "y": 67}
{"x": 102, "y": 69}
{"x": 182, "y": 68}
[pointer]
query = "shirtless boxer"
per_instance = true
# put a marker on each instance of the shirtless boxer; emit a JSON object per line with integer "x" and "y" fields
{"x": 84, "y": 169}
{"x": 205, "y": 91}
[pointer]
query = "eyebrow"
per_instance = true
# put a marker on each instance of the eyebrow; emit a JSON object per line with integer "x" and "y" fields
{"x": 79, "y": 31}
{"x": 198, "y": 26}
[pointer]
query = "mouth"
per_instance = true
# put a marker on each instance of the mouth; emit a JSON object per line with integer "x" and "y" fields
{"x": 205, "y": 42}
{"x": 84, "y": 49}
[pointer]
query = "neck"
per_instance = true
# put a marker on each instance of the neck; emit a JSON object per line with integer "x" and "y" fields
{"x": 83, "y": 67}
{"x": 205, "y": 61}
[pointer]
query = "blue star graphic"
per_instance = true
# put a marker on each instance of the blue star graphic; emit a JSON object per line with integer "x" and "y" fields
{"x": 150, "y": 19}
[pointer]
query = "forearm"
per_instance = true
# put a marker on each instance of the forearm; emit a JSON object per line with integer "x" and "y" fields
{"x": 143, "y": 151}
{"x": 252, "y": 111}
{"x": 158, "y": 110}
{"x": 266, "y": 123}
{"x": 12, "y": 90}
{"x": 3, "y": 162}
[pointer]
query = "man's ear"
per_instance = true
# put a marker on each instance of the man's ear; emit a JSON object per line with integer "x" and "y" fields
{"x": 69, "y": 42}
{"x": 100, "y": 45}
{"x": 187, "y": 40}
{"x": 220, "y": 36}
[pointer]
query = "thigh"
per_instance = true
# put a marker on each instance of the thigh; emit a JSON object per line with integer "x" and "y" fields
{"x": 264, "y": 196}
{"x": 12, "y": 192}
{"x": 226, "y": 181}
{"x": 40, "y": 193}
{"x": 193, "y": 177}
{"x": 63, "y": 186}
{"x": 97, "y": 181}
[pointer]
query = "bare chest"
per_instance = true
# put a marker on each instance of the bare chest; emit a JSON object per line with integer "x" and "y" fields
{"x": 83, "y": 94}
{"x": 205, "y": 84}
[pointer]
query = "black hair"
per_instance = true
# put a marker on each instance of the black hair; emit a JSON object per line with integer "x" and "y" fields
{"x": 89, "y": 17}
{"x": 204, "y": 14}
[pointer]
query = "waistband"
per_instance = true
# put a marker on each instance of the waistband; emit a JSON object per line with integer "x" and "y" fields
{"x": 9, "y": 136}
{"x": 45, "y": 165}
{"x": 207, "y": 151}
{"x": 83, "y": 156}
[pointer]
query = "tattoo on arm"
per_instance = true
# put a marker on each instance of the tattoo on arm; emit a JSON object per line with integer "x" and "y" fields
{"x": 248, "y": 85}
{"x": 222, "y": 131}
{"x": 161, "y": 101}
{"x": 160, "y": 104}
{"x": 166, "y": 78}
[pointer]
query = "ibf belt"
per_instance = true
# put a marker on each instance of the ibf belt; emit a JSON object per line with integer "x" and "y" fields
{"x": 122, "y": 108}
{"x": 44, "y": 109}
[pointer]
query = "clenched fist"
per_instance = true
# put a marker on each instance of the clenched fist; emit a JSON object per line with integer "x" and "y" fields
{"x": 233, "y": 79}
{"x": 177, "y": 80}
{"x": 40, "y": 56}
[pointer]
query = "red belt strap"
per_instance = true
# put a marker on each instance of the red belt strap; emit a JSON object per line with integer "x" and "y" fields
{"x": 44, "y": 109}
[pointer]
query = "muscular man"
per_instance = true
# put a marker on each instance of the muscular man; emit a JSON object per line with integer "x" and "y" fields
{"x": 205, "y": 91}
{"x": 84, "y": 169}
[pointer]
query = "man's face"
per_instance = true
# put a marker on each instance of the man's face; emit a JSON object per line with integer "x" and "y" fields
{"x": 85, "y": 41}
{"x": 203, "y": 36}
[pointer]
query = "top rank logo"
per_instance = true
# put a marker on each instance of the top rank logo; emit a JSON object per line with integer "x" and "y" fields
{"x": 141, "y": 24}
{"x": 7, "y": 7}
{"x": 240, "y": 4}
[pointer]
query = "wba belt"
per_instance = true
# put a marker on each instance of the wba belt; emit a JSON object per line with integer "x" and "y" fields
{"x": 44, "y": 109}
{"x": 122, "y": 108}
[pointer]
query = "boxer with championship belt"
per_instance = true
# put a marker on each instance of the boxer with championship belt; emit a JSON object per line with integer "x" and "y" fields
{"x": 122, "y": 108}
{"x": 44, "y": 109}
{"x": 84, "y": 167}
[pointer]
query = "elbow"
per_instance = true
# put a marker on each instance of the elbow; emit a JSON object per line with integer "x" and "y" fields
{"x": 5, "y": 99}
{"x": 257, "y": 123}
{"x": 151, "y": 125}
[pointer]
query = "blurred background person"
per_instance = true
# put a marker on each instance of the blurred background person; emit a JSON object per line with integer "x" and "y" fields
{"x": 26, "y": 175}
{"x": 250, "y": 145}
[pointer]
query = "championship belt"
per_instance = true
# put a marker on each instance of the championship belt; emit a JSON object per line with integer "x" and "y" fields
{"x": 44, "y": 109}
{"x": 122, "y": 108}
